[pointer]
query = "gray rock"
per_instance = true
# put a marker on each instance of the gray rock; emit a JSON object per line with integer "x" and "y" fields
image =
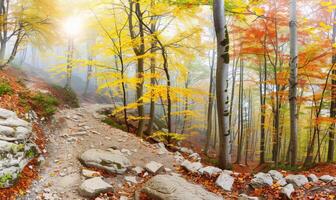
{"x": 126, "y": 151}
{"x": 326, "y": 178}
{"x": 282, "y": 182}
{"x": 312, "y": 178}
{"x": 246, "y": 197}
{"x": 195, "y": 157}
{"x": 14, "y": 122}
{"x": 166, "y": 187}
{"x": 110, "y": 160}
{"x": 261, "y": 180}
{"x": 22, "y": 133}
{"x": 287, "y": 191}
{"x": 210, "y": 171}
{"x": 6, "y": 113}
{"x": 154, "y": 167}
{"x": 275, "y": 175}
{"x": 93, "y": 187}
{"x": 131, "y": 179}
{"x": 225, "y": 181}
{"x": 7, "y": 131}
{"x": 229, "y": 172}
{"x": 191, "y": 166}
{"x": 89, "y": 173}
{"x": 138, "y": 170}
{"x": 186, "y": 150}
{"x": 297, "y": 180}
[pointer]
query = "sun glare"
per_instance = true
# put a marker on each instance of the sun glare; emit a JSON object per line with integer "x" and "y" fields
{"x": 72, "y": 26}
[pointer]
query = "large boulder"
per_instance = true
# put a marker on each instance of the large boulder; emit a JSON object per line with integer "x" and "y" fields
{"x": 167, "y": 187}
{"x": 297, "y": 180}
{"x": 261, "y": 180}
{"x": 16, "y": 148}
{"x": 93, "y": 187}
{"x": 110, "y": 160}
{"x": 225, "y": 181}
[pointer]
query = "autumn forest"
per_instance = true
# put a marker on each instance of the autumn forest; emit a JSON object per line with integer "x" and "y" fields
{"x": 167, "y": 99}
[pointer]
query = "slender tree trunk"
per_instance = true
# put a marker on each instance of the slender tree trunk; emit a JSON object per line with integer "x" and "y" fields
{"x": 210, "y": 104}
{"x": 293, "y": 83}
{"x": 241, "y": 113}
{"x": 152, "y": 68}
{"x": 186, "y": 106}
{"x": 139, "y": 51}
{"x": 331, "y": 145}
{"x": 222, "y": 83}
{"x": 69, "y": 62}
{"x": 262, "y": 88}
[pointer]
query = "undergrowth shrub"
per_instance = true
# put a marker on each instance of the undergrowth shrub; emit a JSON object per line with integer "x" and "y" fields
{"x": 66, "y": 95}
{"x": 45, "y": 104}
{"x": 5, "y": 88}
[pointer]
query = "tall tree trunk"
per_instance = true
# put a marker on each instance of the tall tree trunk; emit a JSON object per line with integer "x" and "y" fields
{"x": 331, "y": 145}
{"x": 222, "y": 83}
{"x": 210, "y": 104}
{"x": 152, "y": 69}
{"x": 139, "y": 51}
{"x": 293, "y": 83}
{"x": 262, "y": 88}
{"x": 241, "y": 113}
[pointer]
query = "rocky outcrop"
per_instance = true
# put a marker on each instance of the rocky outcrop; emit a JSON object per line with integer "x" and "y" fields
{"x": 110, "y": 160}
{"x": 166, "y": 187}
{"x": 16, "y": 148}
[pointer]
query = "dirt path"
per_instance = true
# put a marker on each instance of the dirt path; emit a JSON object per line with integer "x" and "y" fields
{"x": 73, "y": 132}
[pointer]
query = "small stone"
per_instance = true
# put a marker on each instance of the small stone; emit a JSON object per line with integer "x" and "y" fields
{"x": 138, "y": 170}
{"x": 94, "y": 186}
{"x": 123, "y": 198}
{"x": 282, "y": 182}
{"x": 225, "y": 181}
{"x": 154, "y": 167}
{"x": 210, "y": 171}
{"x": 191, "y": 166}
{"x": 195, "y": 157}
{"x": 89, "y": 173}
{"x": 275, "y": 175}
{"x": 312, "y": 178}
{"x": 246, "y": 197}
{"x": 168, "y": 169}
{"x": 261, "y": 180}
{"x": 287, "y": 191}
{"x": 186, "y": 150}
{"x": 297, "y": 180}
{"x": 326, "y": 178}
{"x": 131, "y": 179}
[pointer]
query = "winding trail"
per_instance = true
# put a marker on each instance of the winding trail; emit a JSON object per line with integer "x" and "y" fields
{"x": 74, "y": 131}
